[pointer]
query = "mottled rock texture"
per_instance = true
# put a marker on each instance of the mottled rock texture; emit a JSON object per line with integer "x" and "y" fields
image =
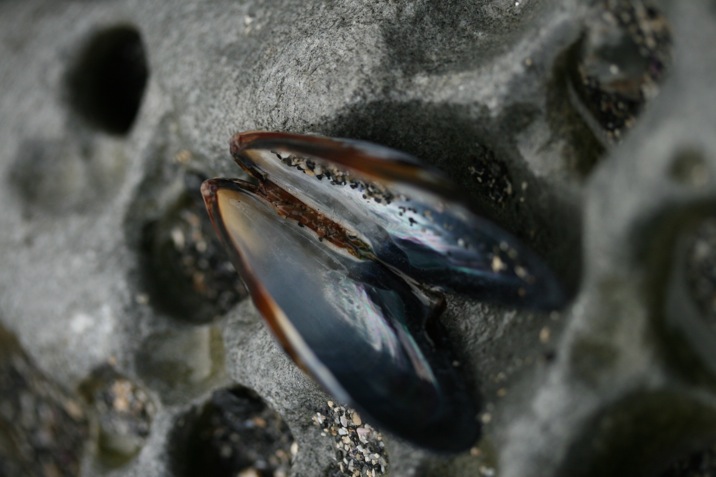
{"x": 585, "y": 128}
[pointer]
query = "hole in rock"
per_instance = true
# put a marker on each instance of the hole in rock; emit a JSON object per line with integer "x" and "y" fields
{"x": 619, "y": 64}
{"x": 124, "y": 413}
{"x": 680, "y": 254}
{"x": 187, "y": 273}
{"x": 701, "y": 268}
{"x": 639, "y": 435}
{"x": 107, "y": 81}
{"x": 181, "y": 363}
{"x": 234, "y": 433}
{"x": 701, "y": 463}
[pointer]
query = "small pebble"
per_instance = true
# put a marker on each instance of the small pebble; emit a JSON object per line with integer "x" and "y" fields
{"x": 359, "y": 448}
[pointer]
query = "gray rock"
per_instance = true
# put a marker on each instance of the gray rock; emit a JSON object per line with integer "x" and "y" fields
{"x": 508, "y": 98}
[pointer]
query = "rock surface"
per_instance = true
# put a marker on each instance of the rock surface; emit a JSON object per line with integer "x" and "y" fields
{"x": 111, "y": 112}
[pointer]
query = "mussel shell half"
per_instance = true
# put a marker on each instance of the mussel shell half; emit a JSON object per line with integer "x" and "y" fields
{"x": 406, "y": 211}
{"x": 353, "y": 324}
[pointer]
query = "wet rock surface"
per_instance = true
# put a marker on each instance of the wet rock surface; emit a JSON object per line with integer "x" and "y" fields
{"x": 533, "y": 107}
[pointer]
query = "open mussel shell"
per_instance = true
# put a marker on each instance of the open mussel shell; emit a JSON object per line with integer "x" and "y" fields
{"x": 407, "y": 213}
{"x": 351, "y": 322}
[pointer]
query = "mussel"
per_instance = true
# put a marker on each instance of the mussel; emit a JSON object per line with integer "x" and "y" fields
{"x": 346, "y": 248}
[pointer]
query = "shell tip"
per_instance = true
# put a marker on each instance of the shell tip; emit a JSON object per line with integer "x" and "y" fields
{"x": 208, "y": 191}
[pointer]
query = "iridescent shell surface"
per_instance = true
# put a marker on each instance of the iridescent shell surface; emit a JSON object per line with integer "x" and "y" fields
{"x": 407, "y": 213}
{"x": 345, "y": 247}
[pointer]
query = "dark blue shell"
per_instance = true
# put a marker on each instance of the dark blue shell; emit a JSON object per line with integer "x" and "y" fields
{"x": 357, "y": 327}
{"x": 344, "y": 246}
